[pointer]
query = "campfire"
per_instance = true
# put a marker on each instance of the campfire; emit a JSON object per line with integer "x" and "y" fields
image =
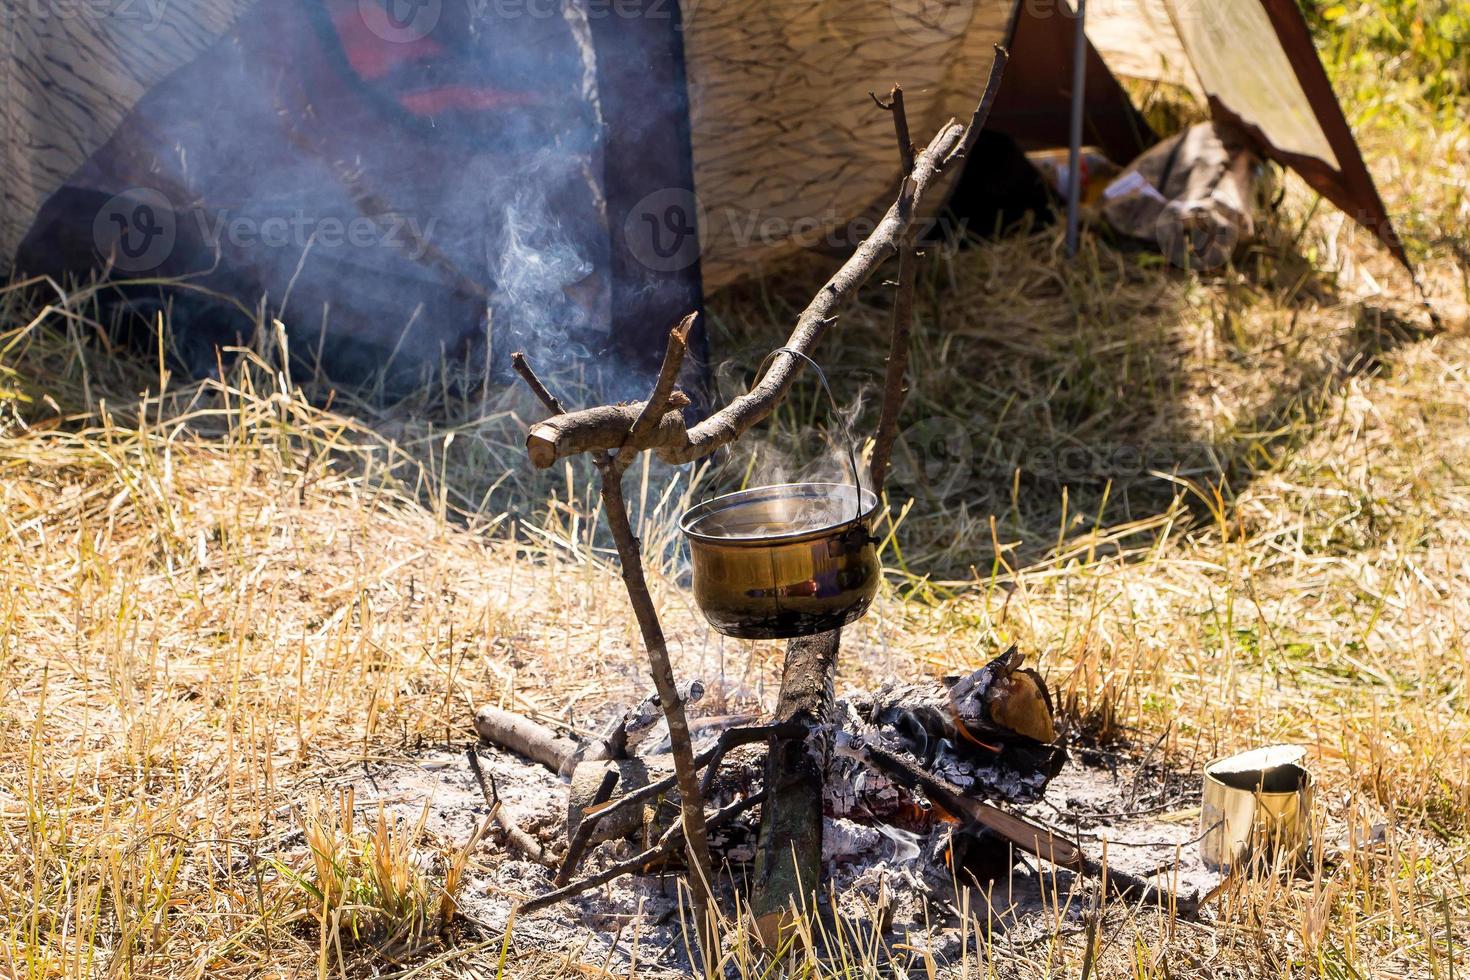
{"x": 936, "y": 766}
{"x": 920, "y": 766}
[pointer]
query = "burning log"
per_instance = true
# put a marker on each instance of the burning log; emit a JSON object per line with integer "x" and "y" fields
{"x": 1030, "y": 837}
{"x": 913, "y": 721}
{"x": 622, "y": 737}
{"x": 989, "y": 732}
{"x": 1000, "y": 702}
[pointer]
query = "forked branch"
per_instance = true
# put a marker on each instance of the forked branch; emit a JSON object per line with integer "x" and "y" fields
{"x": 609, "y": 428}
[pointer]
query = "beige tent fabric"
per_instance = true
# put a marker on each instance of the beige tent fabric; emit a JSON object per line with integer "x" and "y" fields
{"x": 1239, "y": 59}
{"x": 787, "y": 145}
{"x": 68, "y": 75}
{"x": 1137, "y": 40}
{"x": 1225, "y": 48}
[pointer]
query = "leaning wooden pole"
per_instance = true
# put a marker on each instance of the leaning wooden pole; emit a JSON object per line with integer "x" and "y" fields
{"x": 789, "y": 854}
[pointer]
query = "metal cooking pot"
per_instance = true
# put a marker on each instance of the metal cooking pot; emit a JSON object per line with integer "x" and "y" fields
{"x": 768, "y": 566}
{"x": 781, "y": 561}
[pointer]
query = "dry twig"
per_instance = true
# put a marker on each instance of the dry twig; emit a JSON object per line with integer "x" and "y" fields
{"x": 662, "y": 849}
{"x": 895, "y": 388}
{"x": 523, "y": 368}
{"x": 515, "y": 837}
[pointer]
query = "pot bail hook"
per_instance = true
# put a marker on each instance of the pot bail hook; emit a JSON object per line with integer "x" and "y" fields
{"x": 857, "y": 483}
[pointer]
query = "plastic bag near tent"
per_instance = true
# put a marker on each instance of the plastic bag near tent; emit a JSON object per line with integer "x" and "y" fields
{"x": 1194, "y": 195}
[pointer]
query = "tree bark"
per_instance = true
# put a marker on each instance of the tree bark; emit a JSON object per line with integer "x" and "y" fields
{"x": 788, "y": 863}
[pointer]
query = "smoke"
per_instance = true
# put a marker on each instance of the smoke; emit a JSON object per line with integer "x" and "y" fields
{"x": 394, "y": 167}
{"x": 550, "y": 299}
{"x": 813, "y": 439}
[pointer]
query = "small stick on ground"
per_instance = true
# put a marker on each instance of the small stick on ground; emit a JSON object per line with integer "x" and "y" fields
{"x": 662, "y": 849}
{"x": 519, "y": 734}
{"x": 515, "y": 837}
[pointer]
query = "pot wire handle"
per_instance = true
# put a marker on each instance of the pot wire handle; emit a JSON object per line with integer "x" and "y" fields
{"x": 857, "y": 482}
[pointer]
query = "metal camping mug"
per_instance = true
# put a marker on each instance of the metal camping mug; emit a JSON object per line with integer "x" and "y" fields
{"x": 776, "y": 562}
{"x": 1255, "y": 803}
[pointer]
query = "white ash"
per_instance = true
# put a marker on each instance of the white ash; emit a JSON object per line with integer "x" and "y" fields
{"x": 890, "y": 876}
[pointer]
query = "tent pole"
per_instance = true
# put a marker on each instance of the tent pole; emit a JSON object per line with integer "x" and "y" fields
{"x": 1074, "y": 147}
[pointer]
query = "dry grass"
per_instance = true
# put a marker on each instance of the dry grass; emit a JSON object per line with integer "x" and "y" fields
{"x": 1219, "y": 511}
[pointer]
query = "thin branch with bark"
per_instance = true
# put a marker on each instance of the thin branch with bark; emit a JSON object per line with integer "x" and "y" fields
{"x": 982, "y": 111}
{"x": 608, "y": 427}
{"x": 895, "y": 386}
{"x": 602, "y": 429}
{"x": 691, "y": 802}
{"x": 523, "y": 368}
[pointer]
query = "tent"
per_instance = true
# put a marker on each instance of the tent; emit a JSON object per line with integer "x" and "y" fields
{"x": 1253, "y": 60}
{"x": 404, "y": 174}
